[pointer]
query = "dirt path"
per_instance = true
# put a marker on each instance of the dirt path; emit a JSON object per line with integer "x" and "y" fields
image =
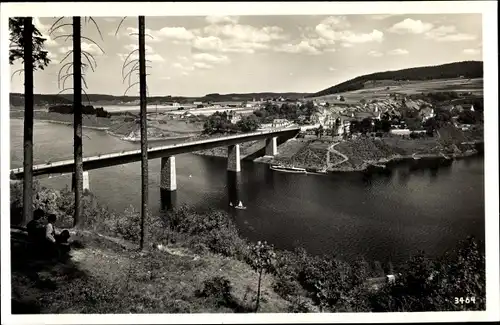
{"x": 332, "y": 150}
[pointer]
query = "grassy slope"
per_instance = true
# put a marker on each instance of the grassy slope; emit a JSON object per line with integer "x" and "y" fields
{"x": 104, "y": 278}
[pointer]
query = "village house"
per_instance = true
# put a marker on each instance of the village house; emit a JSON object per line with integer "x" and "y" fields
{"x": 234, "y": 118}
{"x": 187, "y": 114}
{"x": 426, "y": 113}
{"x": 401, "y": 132}
{"x": 281, "y": 122}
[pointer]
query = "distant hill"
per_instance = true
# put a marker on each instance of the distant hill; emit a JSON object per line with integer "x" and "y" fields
{"x": 466, "y": 69}
{"x": 17, "y": 99}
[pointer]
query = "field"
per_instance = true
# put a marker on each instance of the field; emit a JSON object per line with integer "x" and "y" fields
{"x": 382, "y": 88}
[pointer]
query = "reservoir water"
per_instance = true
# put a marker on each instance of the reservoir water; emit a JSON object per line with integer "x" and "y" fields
{"x": 384, "y": 217}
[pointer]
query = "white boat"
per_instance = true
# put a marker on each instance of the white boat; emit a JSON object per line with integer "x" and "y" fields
{"x": 295, "y": 170}
{"x": 240, "y": 206}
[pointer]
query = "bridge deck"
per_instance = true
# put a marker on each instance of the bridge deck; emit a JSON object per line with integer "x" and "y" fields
{"x": 124, "y": 157}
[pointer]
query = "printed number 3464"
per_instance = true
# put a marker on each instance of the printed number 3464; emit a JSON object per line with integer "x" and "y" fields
{"x": 466, "y": 300}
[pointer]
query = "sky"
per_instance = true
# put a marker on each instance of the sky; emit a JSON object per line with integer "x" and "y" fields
{"x": 195, "y": 55}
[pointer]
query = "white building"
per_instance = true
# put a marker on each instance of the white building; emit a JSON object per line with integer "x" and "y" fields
{"x": 400, "y": 131}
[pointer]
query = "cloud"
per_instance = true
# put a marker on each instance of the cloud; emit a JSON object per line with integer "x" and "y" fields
{"x": 410, "y": 26}
{"x": 176, "y": 33}
{"x": 222, "y": 19}
{"x": 150, "y": 53}
{"x": 133, "y": 47}
{"x": 207, "y": 57}
{"x": 398, "y": 52}
{"x": 380, "y": 17}
{"x": 216, "y": 44}
{"x": 246, "y": 33}
{"x": 202, "y": 65}
{"x": 154, "y": 57}
{"x": 44, "y": 30}
{"x": 472, "y": 51}
{"x": 302, "y": 47}
{"x": 54, "y": 59}
{"x": 347, "y": 45}
{"x": 448, "y": 34}
{"x": 333, "y": 22}
{"x": 184, "y": 67}
{"x": 375, "y": 53}
{"x": 334, "y": 29}
{"x": 87, "y": 47}
{"x": 332, "y": 69}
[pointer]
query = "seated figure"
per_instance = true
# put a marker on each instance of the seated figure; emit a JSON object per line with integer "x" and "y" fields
{"x": 56, "y": 243}
{"x": 36, "y": 227}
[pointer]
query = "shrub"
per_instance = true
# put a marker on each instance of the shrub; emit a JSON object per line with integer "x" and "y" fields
{"x": 218, "y": 288}
{"x": 286, "y": 287}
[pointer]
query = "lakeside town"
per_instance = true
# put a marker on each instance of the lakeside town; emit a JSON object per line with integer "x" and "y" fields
{"x": 386, "y": 121}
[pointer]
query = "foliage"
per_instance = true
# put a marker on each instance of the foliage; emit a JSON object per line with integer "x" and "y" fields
{"x": 248, "y": 123}
{"x": 432, "y": 285}
{"x": 467, "y": 117}
{"x": 218, "y": 288}
{"x": 88, "y": 110}
{"x": 425, "y": 284}
{"x": 213, "y": 229}
{"x": 16, "y": 49}
{"x": 261, "y": 259}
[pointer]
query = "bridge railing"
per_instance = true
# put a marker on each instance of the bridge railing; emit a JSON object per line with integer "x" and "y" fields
{"x": 123, "y": 153}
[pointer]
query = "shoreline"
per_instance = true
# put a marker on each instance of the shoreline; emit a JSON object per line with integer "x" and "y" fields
{"x": 106, "y": 129}
{"x": 367, "y": 164}
{"x": 97, "y": 128}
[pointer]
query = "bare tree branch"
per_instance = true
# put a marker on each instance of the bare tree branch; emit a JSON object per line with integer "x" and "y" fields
{"x": 137, "y": 34}
{"x": 97, "y": 27}
{"x": 66, "y": 56}
{"x": 59, "y": 26}
{"x": 125, "y": 65}
{"x": 119, "y": 25}
{"x": 69, "y": 65}
{"x": 84, "y": 83}
{"x": 17, "y": 71}
{"x": 135, "y": 67}
{"x": 55, "y": 23}
{"x": 87, "y": 55}
{"x": 128, "y": 56}
{"x": 63, "y": 35}
{"x": 91, "y": 40}
{"x": 134, "y": 84}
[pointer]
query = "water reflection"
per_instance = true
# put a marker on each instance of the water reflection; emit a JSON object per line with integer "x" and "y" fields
{"x": 234, "y": 185}
{"x": 168, "y": 199}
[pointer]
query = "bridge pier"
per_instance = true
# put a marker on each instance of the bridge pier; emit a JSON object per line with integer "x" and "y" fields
{"x": 168, "y": 183}
{"x": 168, "y": 179}
{"x": 233, "y": 158}
{"x": 86, "y": 181}
{"x": 272, "y": 146}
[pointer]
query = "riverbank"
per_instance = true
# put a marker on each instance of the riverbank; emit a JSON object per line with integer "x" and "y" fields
{"x": 198, "y": 262}
{"x": 363, "y": 153}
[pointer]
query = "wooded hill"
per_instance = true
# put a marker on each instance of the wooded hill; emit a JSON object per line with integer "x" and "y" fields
{"x": 17, "y": 99}
{"x": 465, "y": 69}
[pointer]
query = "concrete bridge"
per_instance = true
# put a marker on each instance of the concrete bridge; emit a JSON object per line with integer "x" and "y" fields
{"x": 167, "y": 154}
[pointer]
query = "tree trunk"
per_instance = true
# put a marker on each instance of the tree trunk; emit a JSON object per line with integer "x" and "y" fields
{"x": 77, "y": 124}
{"x": 144, "y": 134}
{"x": 28, "y": 121}
{"x": 258, "y": 292}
